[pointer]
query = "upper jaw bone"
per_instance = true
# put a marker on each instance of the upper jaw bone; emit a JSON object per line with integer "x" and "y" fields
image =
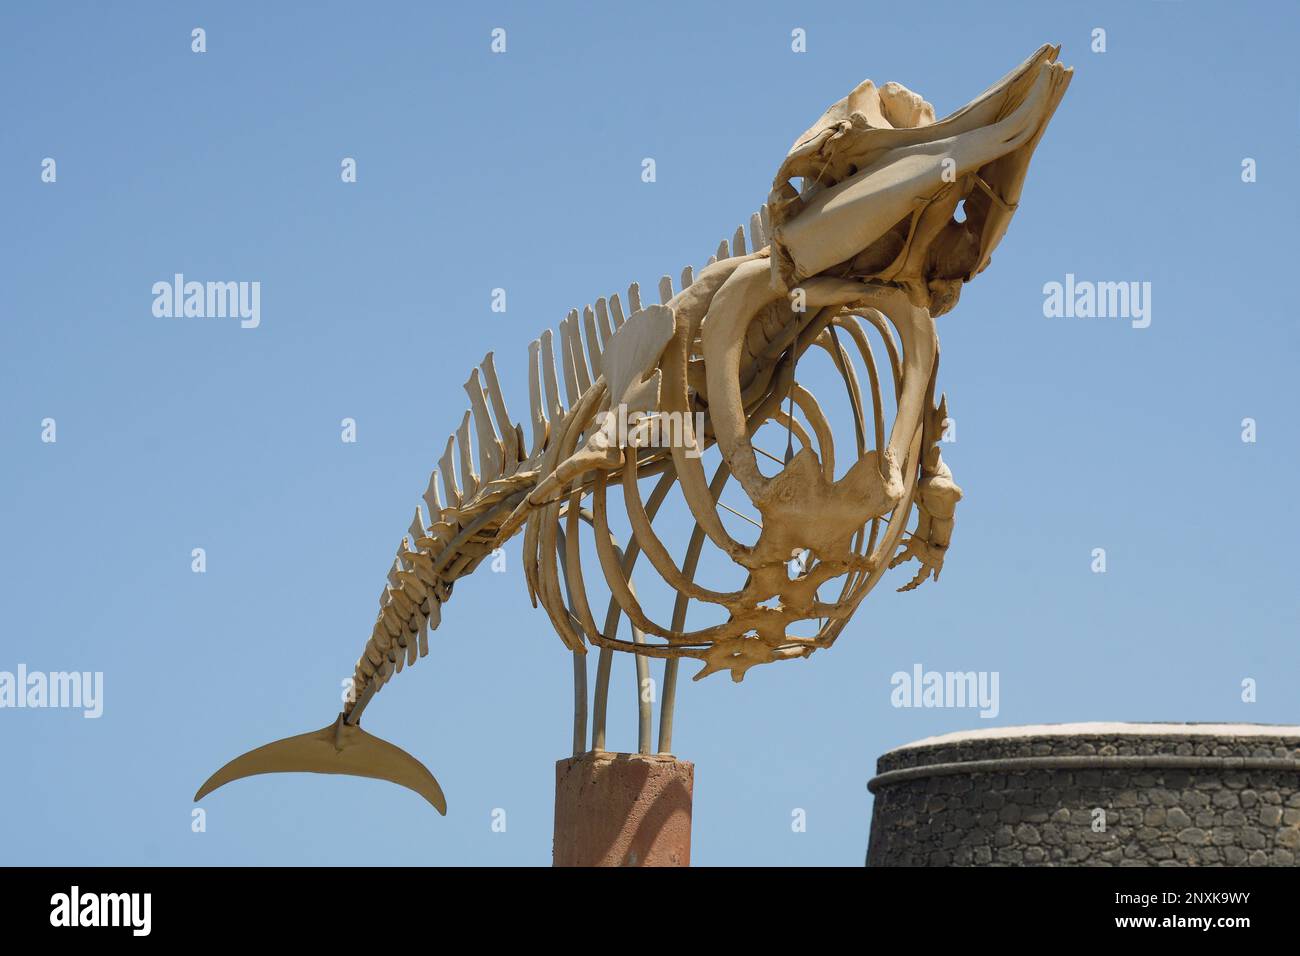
{"x": 841, "y": 143}
{"x": 899, "y": 171}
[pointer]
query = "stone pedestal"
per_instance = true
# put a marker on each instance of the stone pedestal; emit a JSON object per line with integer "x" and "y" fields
{"x": 1094, "y": 794}
{"x": 616, "y": 809}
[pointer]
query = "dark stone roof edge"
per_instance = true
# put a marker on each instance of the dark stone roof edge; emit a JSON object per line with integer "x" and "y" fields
{"x": 1083, "y": 762}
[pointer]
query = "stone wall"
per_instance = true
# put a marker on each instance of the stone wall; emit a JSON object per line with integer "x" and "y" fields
{"x": 1091, "y": 795}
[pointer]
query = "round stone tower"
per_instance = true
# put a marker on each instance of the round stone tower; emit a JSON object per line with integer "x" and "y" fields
{"x": 1091, "y": 794}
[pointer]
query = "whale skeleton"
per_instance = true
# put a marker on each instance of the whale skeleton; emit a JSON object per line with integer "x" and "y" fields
{"x": 867, "y": 249}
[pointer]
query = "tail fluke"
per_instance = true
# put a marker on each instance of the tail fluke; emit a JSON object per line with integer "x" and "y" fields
{"x": 336, "y": 748}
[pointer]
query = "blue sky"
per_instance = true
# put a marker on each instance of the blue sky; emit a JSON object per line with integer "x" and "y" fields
{"x": 523, "y": 171}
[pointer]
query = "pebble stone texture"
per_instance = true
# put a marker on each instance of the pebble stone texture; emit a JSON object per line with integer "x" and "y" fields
{"x": 1169, "y": 794}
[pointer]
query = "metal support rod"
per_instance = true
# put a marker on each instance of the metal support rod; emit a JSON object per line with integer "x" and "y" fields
{"x": 579, "y": 702}
{"x": 739, "y": 515}
{"x": 579, "y": 668}
{"x": 667, "y": 704}
{"x": 600, "y": 703}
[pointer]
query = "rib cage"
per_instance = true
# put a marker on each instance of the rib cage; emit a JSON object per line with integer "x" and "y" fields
{"x": 457, "y": 535}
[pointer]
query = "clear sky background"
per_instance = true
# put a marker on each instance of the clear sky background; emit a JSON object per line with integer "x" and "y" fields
{"x": 523, "y": 171}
